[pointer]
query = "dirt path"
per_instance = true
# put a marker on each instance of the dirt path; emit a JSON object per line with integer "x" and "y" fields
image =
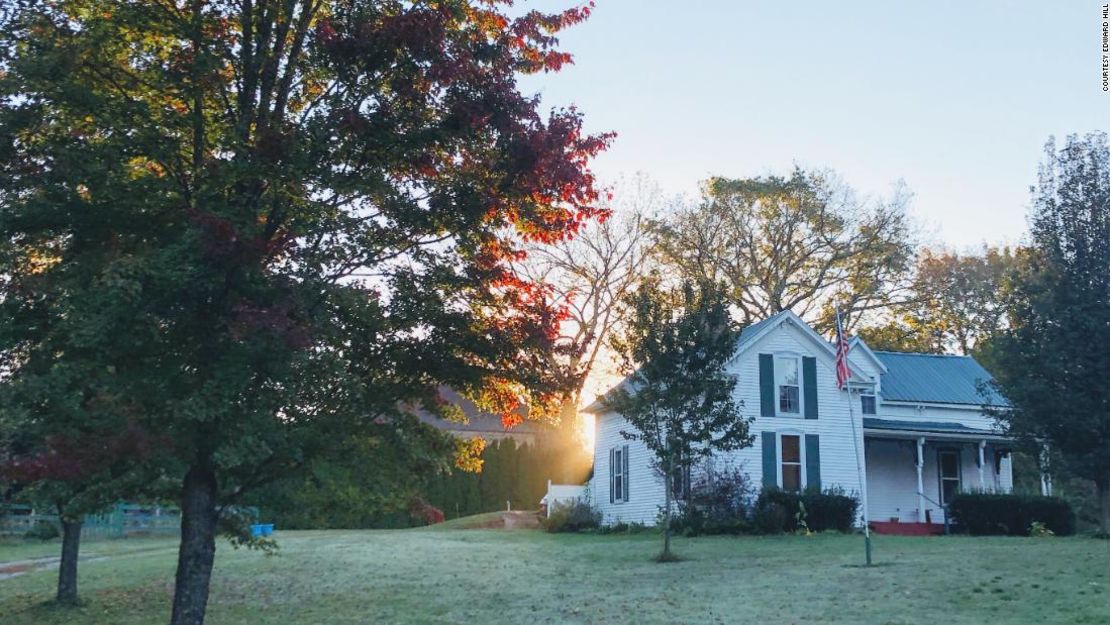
{"x": 15, "y": 568}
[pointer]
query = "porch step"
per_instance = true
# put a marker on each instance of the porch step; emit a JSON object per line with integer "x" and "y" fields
{"x": 898, "y": 528}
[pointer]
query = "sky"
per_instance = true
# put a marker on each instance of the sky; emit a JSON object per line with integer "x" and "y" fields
{"x": 956, "y": 99}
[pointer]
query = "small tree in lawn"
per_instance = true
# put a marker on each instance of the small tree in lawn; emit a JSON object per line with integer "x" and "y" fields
{"x": 678, "y": 396}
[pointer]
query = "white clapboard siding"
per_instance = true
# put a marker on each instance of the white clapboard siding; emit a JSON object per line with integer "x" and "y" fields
{"x": 838, "y": 460}
{"x": 645, "y": 485}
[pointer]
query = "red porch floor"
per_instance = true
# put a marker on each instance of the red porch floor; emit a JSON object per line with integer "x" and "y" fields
{"x": 898, "y": 528}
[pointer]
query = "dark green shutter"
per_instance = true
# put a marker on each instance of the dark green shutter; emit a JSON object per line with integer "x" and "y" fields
{"x": 770, "y": 460}
{"x": 612, "y": 475}
{"x": 627, "y": 481}
{"x": 767, "y": 385}
{"x": 809, "y": 385}
{"x": 813, "y": 462}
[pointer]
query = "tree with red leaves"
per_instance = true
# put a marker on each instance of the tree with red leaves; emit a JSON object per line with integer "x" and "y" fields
{"x": 302, "y": 214}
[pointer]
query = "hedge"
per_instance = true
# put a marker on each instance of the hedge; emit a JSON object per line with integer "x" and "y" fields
{"x": 778, "y": 511}
{"x": 1010, "y": 515}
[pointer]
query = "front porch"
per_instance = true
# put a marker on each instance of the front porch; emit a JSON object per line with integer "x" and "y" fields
{"x": 914, "y": 469}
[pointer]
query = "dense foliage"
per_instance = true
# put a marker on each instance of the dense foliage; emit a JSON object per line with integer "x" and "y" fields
{"x": 1011, "y": 514}
{"x": 1054, "y": 360}
{"x": 719, "y": 502}
{"x": 778, "y": 511}
{"x": 292, "y": 217}
{"x": 954, "y": 303}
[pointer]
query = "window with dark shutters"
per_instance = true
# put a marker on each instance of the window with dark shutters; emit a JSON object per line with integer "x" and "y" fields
{"x": 767, "y": 396}
{"x": 809, "y": 386}
{"x": 770, "y": 459}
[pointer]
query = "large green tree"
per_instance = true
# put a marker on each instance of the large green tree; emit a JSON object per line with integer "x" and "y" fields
{"x": 678, "y": 396}
{"x": 955, "y": 303}
{"x": 303, "y": 214}
{"x": 1054, "y": 360}
{"x": 799, "y": 242}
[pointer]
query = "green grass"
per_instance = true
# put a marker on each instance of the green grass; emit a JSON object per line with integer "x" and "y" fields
{"x": 491, "y": 576}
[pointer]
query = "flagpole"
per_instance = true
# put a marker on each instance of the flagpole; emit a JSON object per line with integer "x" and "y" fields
{"x": 842, "y": 340}
{"x": 859, "y": 476}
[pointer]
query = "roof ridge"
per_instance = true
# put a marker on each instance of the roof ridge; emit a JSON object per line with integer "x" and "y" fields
{"x": 924, "y": 354}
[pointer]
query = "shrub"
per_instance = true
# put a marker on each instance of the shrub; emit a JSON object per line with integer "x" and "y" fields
{"x": 717, "y": 504}
{"x": 831, "y": 509}
{"x": 423, "y": 512}
{"x": 621, "y": 527}
{"x": 1011, "y": 515}
{"x": 778, "y": 511}
{"x": 42, "y": 530}
{"x": 573, "y": 517}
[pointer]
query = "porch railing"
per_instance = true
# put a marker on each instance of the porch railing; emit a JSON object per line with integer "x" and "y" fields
{"x": 942, "y": 506}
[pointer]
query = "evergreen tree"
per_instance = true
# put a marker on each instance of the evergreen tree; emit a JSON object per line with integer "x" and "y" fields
{"x": 1053, "y": 363}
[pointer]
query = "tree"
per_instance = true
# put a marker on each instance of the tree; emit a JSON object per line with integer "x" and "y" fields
{"x": 1054, "y": 360}
{"x": 678, "y": 396}
{"x": 74, "y": 476}
{"x": 69, "y": 442}
{"x": 591, "y": 274}
{"x": 797, "y": 243}
{"x": 305, "y": 214}
{"x": 954, "y": 303}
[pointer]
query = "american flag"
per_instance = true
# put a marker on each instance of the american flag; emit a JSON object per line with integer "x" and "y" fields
{"x": 842, "y": 348}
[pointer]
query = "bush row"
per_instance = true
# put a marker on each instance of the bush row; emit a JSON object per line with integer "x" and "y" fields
{"x": 1010, "y": 514}
{"x": 777, "y": 511}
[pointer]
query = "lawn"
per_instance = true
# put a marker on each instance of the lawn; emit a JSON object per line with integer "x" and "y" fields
{"x": 498, "y": 576}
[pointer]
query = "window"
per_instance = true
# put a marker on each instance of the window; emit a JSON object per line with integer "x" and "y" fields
{"x": 948, "y": 468}
{"x": 867, "y": 403}
{"x": 618, "y": 474}
{"x": 791, "y": 454}
{"x": 787, "y": 378}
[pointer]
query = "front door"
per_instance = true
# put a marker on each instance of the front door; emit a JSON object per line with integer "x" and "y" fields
{"x": 948, "y": 469}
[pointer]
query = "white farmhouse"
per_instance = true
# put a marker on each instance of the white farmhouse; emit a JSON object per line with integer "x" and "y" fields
{"x": 919, "y": 425}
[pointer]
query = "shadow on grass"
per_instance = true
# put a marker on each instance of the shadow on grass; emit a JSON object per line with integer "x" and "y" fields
{"x": 666, "y": 557}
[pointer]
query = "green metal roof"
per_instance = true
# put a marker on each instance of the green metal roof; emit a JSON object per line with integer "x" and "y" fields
{"x": 871, "y": 423}
{"x": 934, "y": 378}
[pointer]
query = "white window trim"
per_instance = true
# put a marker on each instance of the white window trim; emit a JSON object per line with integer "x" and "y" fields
{"x": 862, "y": 394}
{"x": 801, "y": 386}
{"x": 801, "y": 456}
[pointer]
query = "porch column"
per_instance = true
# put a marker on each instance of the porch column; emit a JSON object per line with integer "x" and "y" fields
{"x": 1046, "y": 478}
{"x": 920, "y": 480}
{"x": 982, "y": 448}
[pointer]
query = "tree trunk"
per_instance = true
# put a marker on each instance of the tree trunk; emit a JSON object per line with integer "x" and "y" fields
{"x": 198, "y": 547}
{"x": 1104, "y": 506}
{"x": 668, "y": 486}
{"x": 67, "y": 568}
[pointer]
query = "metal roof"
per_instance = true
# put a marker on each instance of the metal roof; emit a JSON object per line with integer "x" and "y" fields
{"x": 871, "y": 423}
{"x": 935, "y": 378}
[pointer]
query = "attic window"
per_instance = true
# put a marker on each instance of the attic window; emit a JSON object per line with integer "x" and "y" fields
{"x": 867, "y": 403}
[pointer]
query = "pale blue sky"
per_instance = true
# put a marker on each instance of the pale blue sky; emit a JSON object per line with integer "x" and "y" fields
{"x": 955, "y": 98}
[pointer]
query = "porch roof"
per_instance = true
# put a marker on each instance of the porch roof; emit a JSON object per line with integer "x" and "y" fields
{"x": 937, "y": 427}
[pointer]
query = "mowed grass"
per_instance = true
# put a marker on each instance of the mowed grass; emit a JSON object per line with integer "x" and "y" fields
{"x": 497, "y": 576}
